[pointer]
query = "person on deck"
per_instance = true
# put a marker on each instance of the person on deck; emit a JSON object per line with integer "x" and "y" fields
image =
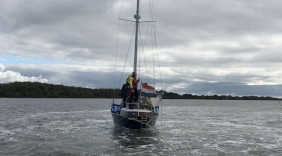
{"x": 132, "y": 82}
{"x": 124, "y": 93}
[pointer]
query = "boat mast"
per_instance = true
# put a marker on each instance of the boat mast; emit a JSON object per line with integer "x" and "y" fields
{"x": 137, "y": 17}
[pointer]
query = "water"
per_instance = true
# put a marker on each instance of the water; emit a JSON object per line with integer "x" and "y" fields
{"x": 63, "y": 127}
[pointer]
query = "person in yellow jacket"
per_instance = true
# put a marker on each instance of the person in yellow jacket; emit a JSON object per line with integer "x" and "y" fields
{"x": 132, "y": 83}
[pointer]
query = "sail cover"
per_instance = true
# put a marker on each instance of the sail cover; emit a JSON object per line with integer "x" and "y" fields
{"x": 148, "y": 91}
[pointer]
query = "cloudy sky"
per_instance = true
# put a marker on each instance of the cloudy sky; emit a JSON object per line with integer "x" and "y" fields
{"x": 203, "y": 46}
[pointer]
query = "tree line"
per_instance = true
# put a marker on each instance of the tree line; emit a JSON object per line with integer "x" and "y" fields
{"x": 171, "y": 95}
{"x": 44, "y": 90}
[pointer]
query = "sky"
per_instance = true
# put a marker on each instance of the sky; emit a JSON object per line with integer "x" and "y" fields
{"x": 204, "y": 47}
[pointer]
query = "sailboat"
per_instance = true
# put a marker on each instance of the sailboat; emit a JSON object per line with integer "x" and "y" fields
{"x": 143, "y": 113}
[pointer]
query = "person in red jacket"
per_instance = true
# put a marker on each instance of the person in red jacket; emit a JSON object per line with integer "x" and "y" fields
{"x": 132, "y": 82}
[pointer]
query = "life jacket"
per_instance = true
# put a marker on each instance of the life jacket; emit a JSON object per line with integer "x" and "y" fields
{"x": 129, "y": 81}
{"x": 132, "y": 82}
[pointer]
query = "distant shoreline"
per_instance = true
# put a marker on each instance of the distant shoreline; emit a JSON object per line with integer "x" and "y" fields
{"x": 44, "y": 90}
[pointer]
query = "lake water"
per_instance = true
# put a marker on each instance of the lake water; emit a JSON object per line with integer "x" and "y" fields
{"x": 67, "y": 127}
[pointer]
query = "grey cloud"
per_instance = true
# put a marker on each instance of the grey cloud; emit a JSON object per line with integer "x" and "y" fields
{"x": 231, "y": 88}
{"x": 213, "y": 20}
{"x": 188, "y": 32}
{"x": 30, "y": 13}
{"x": 108, "y": 80}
